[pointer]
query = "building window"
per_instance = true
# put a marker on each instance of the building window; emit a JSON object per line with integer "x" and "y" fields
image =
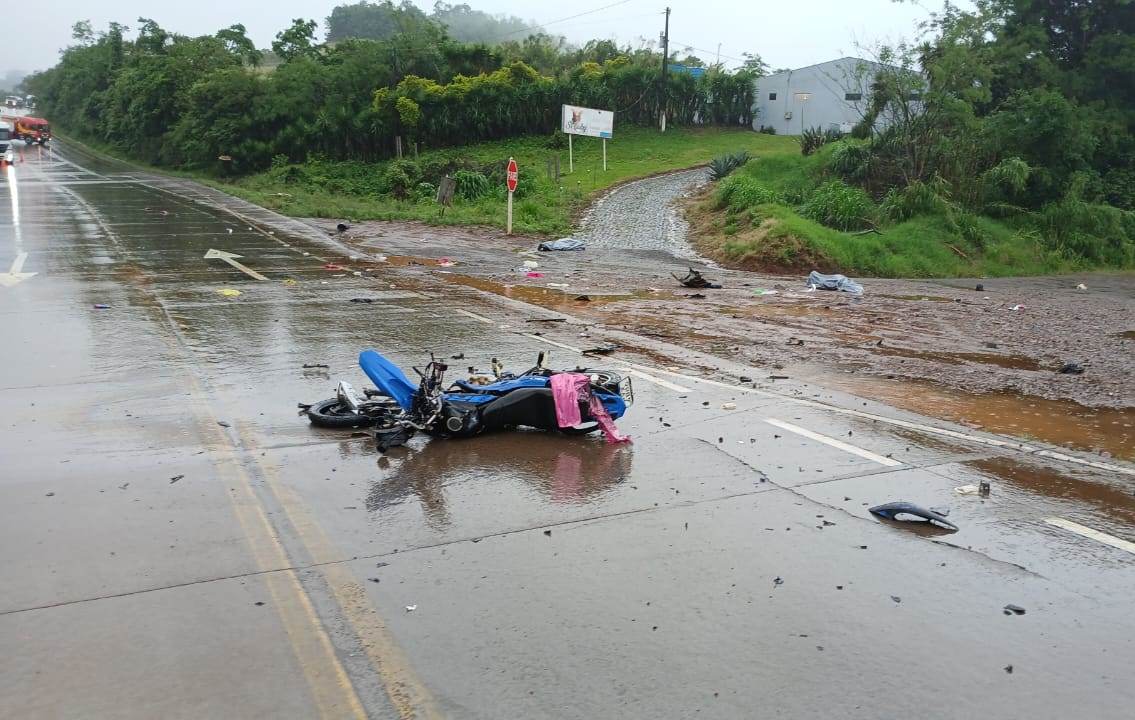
{"x": 772, "y": 96}
{"x": 854, "y": 97}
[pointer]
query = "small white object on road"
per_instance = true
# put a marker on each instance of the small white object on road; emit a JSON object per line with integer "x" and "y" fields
{"x": 729, "y": 406}
{"x": 1081, "y": 286}
{"x": 411, "y": 608}
{"x": 967, "y": 490}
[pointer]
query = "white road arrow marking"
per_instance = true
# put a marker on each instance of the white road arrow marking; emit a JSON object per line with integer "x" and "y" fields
{"x": 230, "y": 258}
{"x": 15, "y": 276}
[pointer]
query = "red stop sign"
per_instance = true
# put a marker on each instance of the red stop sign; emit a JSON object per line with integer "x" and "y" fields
{"x": 513, "y": 176}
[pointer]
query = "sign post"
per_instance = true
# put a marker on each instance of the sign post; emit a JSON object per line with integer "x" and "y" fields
{"x": 511, "y": 179}
{"x": 590, "y": 122}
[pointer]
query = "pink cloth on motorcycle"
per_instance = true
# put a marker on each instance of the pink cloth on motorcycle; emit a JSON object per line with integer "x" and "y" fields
{"x": 567, "y": 391}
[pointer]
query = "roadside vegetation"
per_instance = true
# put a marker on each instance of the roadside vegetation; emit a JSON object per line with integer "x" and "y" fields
{"x": 1001, "y": 144}
{"x": 1016, "y": 158}
{"x": 406, "y": 189}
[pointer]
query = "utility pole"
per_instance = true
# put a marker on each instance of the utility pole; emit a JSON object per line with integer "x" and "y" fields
{"x": 665, "y": 61}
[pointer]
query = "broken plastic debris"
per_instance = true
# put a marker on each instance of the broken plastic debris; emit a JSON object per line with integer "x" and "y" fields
{"x": 531, "y": 264}
{"x": 1017, "y": 307}
{"x": 534, "y": 274}
{"x": 446, "y": 262}
{"x": 411, "y": 608}
{"x": 1081, "y": 286}
{"x": 229, "y": 292}
{"x": 729, "y": 406}
{"x": 892, "y": 511}
{"x": 101, "y": 306}
{"x": 695, "y": 280}
{"x": 966, "y": 490}
{"x": 290, "y": 281}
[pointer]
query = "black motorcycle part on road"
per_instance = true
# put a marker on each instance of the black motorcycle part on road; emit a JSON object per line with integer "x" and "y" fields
{"x": 531, "y": 407}
{"x": 334, "y": 414}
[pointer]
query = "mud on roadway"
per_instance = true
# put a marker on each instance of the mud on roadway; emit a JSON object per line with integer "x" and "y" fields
{"x": 990, "y": 359}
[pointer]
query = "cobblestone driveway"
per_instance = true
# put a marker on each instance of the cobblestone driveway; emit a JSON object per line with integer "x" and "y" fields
{"x": 641, "y": 215}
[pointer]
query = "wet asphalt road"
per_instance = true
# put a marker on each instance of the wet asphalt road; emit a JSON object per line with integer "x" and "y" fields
{"x": 177, "y": 542}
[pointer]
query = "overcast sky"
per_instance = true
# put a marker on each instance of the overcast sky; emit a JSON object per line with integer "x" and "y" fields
{"x": 785, "y": 34}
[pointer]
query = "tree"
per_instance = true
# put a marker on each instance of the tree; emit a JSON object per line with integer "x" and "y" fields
{"x": 296, "y": 41}
{"x": 754, "y": 64}
{"x": 151, "y": 37}
{"x": 82, "y": 32}
{"x": 236, "y": 41}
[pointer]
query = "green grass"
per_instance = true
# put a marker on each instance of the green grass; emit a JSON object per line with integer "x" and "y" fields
{"x": 346, "y": 190}
{"x": 754, "y": 221}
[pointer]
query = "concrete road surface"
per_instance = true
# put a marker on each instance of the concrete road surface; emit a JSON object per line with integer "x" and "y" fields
{"x": 176, "y": 541}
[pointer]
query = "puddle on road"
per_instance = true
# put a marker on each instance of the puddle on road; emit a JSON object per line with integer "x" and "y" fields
{"x": 928, "y": 298}
{"x": 1058, "y": 422}
{"x": 557, "y": 469}
{"x": 1115, "y": 502}
{"x": 557, "y": 298}
{"x": 1012, "y": 362}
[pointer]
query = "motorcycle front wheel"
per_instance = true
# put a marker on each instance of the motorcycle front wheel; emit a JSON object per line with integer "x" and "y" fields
{"x": 335, "y": 414}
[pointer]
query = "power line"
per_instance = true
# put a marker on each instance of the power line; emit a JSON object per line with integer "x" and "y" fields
{"x": 570, "y": 17}
{"x": 678, "y": 43}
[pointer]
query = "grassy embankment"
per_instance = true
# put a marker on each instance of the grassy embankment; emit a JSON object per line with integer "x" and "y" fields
{"x": 761, "y": 223}
{"x": 362, "y": 191}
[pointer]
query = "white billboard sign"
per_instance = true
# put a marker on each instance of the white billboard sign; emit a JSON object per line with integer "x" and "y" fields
{"x": 587, "y": 121}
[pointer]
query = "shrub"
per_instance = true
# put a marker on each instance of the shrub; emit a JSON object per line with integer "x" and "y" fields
{"x": 424, "y": 191}
{"x": 918, "y": 198}
{"x": 401, "y": 177}
{"x": 840, "y": 206}
{"x": 742, "y": 191}
{"x": 471, "y": 185}
{"x": 851, "y": 160}
{"x": 1097, "y": 233}
{"x": 813, "y": 138}
{"x": 767, "y": 130}
{"x": 722, "y": 165}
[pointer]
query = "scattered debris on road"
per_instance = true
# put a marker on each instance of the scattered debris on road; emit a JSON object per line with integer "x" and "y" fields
{"x": 1071, "y": 368}
{"x": 101, "y": 306}
{"x": 411, "y": 608}
{"x": 841, "y": 283}
{"x": 695, "y": 280}
{"x": 229, "y": 292}
{"x": 175, "y": 478}
{"x": 561, "y": 244}
{"x": 601, "y": 350}
{"x": 309, "y": 366}
{"x": 342, "y": 227}
{"x": 1011, "y": 609}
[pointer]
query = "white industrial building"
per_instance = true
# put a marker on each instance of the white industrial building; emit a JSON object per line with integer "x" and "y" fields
{"x": 830, "y": 95}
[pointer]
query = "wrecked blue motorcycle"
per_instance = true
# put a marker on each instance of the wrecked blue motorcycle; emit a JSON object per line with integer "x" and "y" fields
{"x": 398, "y": 408}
